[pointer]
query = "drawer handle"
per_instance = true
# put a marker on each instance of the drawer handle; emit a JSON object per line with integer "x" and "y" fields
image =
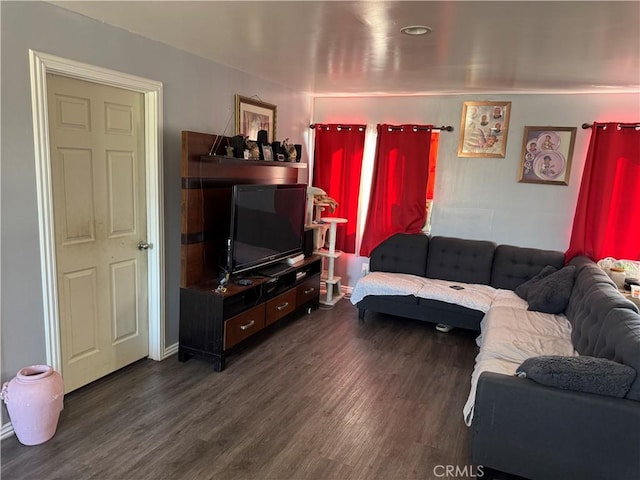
{"x": 283, "y": 306}
{"x": 309, "y": 290}
{"x": 248, "y": 325}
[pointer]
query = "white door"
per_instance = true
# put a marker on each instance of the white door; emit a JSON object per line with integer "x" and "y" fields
{"x": 98, "y": 185}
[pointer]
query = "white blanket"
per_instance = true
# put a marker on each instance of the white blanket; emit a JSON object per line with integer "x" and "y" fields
{"x": 474, "y": 296}
{"x": 509, "y": 333}
{"x": 503, "y": 298}
{"x": 509, "y": 336}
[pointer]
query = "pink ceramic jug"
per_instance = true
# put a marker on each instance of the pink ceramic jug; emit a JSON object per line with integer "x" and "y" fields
{"x": 34, "y": 401}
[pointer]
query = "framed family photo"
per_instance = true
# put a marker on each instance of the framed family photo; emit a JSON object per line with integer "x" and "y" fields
{"x": 267, "y": 153}
{"x": 253, "y": 116}
{"x": 483, "y": 129}
{"x": 546, "y": 155}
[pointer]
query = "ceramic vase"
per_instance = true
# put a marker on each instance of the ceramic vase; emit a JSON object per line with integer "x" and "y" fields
{"x": 34, "y": 401}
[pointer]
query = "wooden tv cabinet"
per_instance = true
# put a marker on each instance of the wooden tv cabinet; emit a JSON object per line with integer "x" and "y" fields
{"x": 214, "y": 323}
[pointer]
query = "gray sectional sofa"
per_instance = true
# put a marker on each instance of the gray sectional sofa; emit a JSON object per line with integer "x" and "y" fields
{"x": 521, "y": 426}
{"x": 455, "y": 259}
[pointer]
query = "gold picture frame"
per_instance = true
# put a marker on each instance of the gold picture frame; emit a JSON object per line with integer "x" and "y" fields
{"x": 253, "y": 116}
{"x": 483, "y": 129}
{"x": 546, "y": 155}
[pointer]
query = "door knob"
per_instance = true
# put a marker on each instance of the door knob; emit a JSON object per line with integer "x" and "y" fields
{"x": 143, "y": 245}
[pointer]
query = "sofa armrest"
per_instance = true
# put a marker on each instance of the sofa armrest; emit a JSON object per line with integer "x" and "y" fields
{"x": 536, "y": 431}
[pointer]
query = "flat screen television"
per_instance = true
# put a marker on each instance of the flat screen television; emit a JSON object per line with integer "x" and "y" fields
{"x": 267, "y": 225}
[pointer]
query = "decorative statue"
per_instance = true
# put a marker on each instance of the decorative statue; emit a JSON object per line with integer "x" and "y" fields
{"x": 290, "y": 150}
{"x": 254, "y": 151}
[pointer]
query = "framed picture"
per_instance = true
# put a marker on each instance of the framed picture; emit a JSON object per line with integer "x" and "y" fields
{"x": 253, "y": 116}
{"x": 267, "y": 153}
{"x": 546, "y": 155}
{"x": 483, "y": 129}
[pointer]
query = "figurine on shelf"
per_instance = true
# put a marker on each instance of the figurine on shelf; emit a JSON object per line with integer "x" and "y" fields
{"x": 289, "y": 150}
{"x": 254, "y": 151}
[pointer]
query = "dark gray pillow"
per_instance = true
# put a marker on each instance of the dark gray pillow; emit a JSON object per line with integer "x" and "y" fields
{"x": 551, "y": 294}
{"x": 522, "y": 290}
{"x": 580, "y": 374}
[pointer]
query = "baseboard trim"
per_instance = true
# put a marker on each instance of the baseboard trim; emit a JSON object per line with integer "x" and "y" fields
{"x": 170, "y": 350}
{"x": 6, "y": 431}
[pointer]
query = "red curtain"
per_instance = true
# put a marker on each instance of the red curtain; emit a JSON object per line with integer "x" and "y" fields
{"x": 337, "y": 167}
{"x": 433, "y": 160}
{"x": 399, "y": 186}
{"x": 607, "y": 218}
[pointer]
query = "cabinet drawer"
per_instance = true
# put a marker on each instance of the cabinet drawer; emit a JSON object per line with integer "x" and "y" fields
{"x": 280, "y": 306}
{"x": 308, "y": 290}
{"x": 243, "y": 325}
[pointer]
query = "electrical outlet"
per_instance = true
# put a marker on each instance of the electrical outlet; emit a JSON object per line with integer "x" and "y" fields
{"x": 365, "y": 269}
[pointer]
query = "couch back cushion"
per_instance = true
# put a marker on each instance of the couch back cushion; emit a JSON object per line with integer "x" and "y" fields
{"x": 605, "y": 324}
{"x": 513, "y": 266}
{"x": 592, "y": 299}
{"x": 401, "y": 253}
{"x": 619, "y": 340}
{"x": 459, "y": 260}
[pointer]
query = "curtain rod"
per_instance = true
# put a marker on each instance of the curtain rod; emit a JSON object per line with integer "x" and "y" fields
{"x": 448, "y": 128}
{"x": 620, "y": 125}
{"x": 313, "y": 125}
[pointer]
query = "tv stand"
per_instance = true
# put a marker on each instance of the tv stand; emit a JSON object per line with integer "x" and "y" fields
{"x": 214, "y": 325}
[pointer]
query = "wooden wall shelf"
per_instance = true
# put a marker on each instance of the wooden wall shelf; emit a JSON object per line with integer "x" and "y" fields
{"x": 220, "y": 159}
{"x": 207, "y": 182}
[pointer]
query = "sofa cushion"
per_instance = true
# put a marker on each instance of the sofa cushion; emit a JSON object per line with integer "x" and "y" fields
{"x": 593, "y": 297}
{"x": 551, "y": 294}
{"x": 580, "y": 374}
{"x": 581, "y": 261}
{"x": 522, "y": 290}
{"x": 510, "y": 336}
{"x": 401, "y": 253}
{"x": 514, "y": 265}
{"x": 619, "y": 340}
{"x": 473, "y": 296}
{"x": 459, "y": 260}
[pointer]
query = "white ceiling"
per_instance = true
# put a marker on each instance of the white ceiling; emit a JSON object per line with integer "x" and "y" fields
{"x": 355, "y": 48}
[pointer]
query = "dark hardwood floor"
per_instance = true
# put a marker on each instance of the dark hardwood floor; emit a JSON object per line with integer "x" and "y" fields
{"x": 321, "y": 397}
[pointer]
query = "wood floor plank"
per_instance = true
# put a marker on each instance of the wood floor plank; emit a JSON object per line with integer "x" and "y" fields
{"x": 319, "y": 397}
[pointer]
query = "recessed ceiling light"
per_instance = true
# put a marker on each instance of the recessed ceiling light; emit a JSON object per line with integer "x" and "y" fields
{"x": 416, "y": 30}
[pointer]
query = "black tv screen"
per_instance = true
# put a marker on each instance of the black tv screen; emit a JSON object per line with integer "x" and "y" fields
{"x": 267, "y": 224}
